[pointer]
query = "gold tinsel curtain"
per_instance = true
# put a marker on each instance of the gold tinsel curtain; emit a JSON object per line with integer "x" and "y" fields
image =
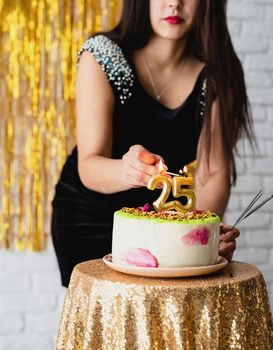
{"x": 39, "y": 41}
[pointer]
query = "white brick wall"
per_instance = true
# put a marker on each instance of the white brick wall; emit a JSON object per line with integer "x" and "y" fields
{"x": 31, "y": 295}
{"x": 31, "y": 299}
{"x": 251, "y": 25}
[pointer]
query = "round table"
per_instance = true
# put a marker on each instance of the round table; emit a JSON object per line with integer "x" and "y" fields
{"x": 108, "y": 310}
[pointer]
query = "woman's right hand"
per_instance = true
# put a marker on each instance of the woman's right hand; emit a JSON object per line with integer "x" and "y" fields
{"x": 138, "y": 165}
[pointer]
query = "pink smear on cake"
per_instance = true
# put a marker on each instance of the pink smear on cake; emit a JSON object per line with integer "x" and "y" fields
{"x": 198, "y": 211}
{"x": 146, "y": 207}
{"x": 139, "y": 257}
{"x": 197, "y": 236}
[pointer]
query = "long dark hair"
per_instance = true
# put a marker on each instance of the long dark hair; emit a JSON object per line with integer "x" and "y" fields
{"x": 210, "y": 42}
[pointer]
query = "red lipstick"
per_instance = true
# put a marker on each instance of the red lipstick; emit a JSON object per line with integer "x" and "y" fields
{"x": 173, "y": 19}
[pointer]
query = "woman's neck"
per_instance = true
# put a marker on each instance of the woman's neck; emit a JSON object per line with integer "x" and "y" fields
{"x": 164, "y": 52}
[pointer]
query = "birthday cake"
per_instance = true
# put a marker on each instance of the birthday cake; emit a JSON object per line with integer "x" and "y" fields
{"x": 147, "y": 238}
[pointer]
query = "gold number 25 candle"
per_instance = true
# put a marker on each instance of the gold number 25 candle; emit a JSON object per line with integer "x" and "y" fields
{"x": 177, "y": 182}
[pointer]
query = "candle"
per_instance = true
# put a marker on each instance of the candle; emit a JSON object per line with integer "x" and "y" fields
{"x": 161, "y": 203}
{"x": 177, "y": 190}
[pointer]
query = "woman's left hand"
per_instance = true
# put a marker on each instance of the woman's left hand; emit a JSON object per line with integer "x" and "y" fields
{"x": 227, "y": 243}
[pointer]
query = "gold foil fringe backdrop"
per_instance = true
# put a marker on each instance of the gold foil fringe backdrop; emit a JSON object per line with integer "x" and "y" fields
{"x": 39, "y": 41}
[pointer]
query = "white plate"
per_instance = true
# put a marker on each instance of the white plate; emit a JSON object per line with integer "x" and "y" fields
{"x": 166, "y": 271}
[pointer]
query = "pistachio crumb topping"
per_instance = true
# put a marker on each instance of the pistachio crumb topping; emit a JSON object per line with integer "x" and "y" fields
{"x": 171, "y": 215}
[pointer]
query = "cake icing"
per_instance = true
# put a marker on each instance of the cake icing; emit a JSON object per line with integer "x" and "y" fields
{"x": 165, "y": 239}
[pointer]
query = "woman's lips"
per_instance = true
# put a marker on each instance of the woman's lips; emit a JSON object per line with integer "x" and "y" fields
{"x": 173, "y": 19}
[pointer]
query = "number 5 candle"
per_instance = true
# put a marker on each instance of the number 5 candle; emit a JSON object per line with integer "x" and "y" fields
{"x": 179, "y": 190}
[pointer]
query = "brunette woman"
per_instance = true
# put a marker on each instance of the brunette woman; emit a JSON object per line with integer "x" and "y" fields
{"x": 165, "y": 84}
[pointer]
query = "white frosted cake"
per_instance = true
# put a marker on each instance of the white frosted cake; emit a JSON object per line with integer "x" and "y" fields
{"x": 170, "y": 239}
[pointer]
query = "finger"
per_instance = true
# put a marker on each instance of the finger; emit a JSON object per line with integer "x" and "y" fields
{"x": 138, "y": 178}
{"x": 137, "y": 165}
{"x": 230, "y": 236}
{"x": 224, "y": 227}
{"x": 226, "y": 249}
{"x": 145, "y": 156}
{"x": 228, "y": 256}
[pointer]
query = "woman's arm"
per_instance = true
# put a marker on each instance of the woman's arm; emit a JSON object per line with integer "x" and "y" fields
{"x": 212, "y": 182}
{"x": 94, "y": 110}
{"x": 212, "y": 179}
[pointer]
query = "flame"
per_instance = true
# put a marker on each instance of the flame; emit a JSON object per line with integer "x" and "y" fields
{"x": 160, "y": 166}
{"x": 184, "y": 171}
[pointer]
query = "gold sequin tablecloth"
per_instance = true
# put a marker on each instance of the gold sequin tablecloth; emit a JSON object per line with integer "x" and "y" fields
{"x": 109, "y": 310}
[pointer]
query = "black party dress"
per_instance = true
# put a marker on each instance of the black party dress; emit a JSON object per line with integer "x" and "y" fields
{"x": 82, "y": 218}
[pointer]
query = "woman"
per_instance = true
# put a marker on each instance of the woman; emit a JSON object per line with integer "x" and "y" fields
{"x": 164, "y": 84}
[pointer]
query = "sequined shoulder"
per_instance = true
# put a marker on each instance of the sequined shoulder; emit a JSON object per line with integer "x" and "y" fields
{"x": 203, "y": 97}
{"x": 113, "y": 62}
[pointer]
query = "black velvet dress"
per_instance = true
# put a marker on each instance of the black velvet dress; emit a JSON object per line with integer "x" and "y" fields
{"x": 82, "y": 218}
